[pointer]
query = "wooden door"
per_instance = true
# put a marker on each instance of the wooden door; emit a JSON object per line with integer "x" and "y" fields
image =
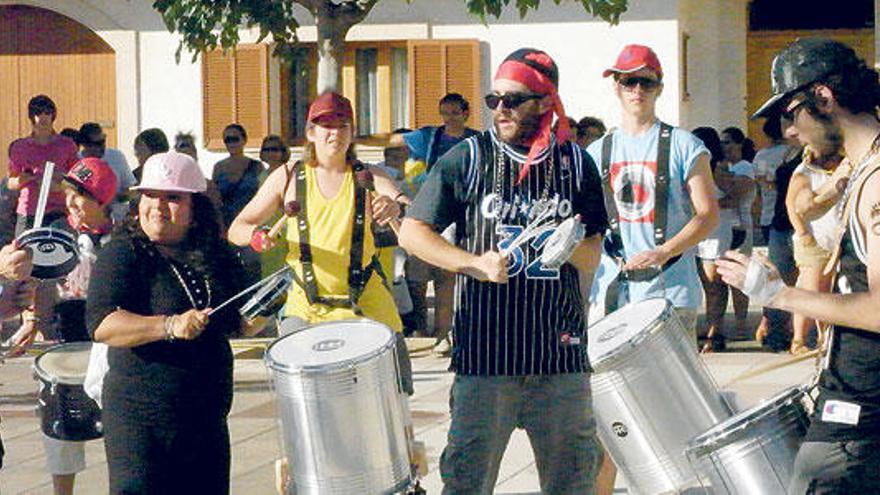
{"x": 762, "y": 46}
{"x": 42, "y": 52}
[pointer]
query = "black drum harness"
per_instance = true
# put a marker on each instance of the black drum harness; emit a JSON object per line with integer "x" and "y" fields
{"x": 613, "y": 244}
{"x": 358, "y": 275}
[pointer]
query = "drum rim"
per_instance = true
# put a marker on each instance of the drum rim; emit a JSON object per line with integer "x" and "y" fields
{"x": 650, "y": 330}
{"x": 50, "y": 230}
{"x": 43, "y": 375}
{"x": 717, "y": 436}
{"x": 571, "y": 241}
{"x": 51, "y": 234}
{"x": 291, "y": 370}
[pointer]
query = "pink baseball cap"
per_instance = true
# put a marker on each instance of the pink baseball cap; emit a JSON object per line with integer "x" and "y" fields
{"x": 633, "y": 58}
{"x": 95, "y": 177}
{"x": 172, "y": 171}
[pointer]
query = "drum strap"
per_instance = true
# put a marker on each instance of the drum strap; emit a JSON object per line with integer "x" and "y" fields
{"x": 358, "y": 276}
{"x": 614, "y": 242}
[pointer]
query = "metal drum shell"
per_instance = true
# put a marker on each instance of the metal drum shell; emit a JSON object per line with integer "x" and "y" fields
{"x": 66, "y": 411}
{"x": 342, "y": 423}
{"x": 754, "y": 451}
{"x": 651, "y": 395}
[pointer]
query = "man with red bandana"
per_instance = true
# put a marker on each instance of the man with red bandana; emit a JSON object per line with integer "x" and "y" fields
{"x": 519, "y": 344}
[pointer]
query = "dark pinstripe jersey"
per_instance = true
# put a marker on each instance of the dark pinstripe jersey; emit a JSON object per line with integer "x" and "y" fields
{"x": 533, "y": 324}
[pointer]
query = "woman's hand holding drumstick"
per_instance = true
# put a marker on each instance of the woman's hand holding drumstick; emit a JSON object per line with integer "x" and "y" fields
{"x": 263, "y": 238}
{"x": 386, "y": 211}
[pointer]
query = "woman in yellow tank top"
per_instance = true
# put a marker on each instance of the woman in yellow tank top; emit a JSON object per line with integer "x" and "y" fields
{"x": 324, "y": 186}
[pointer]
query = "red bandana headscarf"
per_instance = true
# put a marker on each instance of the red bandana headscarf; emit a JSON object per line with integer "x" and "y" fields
{"x": 537, "y": 71}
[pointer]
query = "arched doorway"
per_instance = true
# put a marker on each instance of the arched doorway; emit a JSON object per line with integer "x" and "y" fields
{"x": 45, "y": 52}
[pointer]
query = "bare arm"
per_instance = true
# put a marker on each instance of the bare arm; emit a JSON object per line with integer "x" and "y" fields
{"x": 419, "y": 239}
{"x": 260, "y": 209}
{"x": 123, "y": 328}
{"x": 795, "y": 200}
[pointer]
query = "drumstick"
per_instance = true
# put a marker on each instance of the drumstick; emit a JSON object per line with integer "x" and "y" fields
{"x": 291, "y": 209}
{"x": 45, "y": 185}
{"x": 251, "y": 288}
{"x": 365, "y": 179}
{"x": 773, "y": 366}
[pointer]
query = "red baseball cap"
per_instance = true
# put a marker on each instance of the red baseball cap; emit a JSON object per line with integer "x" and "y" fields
{"x": 330, "y": 104}
{"x": 633, "y": 58}
{"x": 96, "y": 178}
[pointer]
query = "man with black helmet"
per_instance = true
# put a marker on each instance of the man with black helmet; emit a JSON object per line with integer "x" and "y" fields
{"x": 831, "y": 98}
{"x": 519, "y": 345}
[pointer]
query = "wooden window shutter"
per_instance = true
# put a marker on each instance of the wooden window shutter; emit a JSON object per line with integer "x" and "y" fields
{"x": 236, "y": 89}
{"x": 438, "y": 67}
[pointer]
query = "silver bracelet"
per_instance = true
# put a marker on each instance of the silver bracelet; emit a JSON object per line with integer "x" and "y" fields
{"x": 169, "y": 328}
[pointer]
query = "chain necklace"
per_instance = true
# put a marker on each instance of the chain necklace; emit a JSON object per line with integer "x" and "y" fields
{"x": 501, "y": 162}
{"x": 189, "y": 295}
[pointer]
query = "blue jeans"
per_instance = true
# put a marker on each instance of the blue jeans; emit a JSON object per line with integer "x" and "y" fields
{"x": 837, "y": 468}
{"x": 555, "y": 411}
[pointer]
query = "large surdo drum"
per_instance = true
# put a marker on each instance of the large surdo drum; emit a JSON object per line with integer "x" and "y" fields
{"x": 651, "y": 395}
{"x": 66, "y": 412}
{"x": 341, "y": 409}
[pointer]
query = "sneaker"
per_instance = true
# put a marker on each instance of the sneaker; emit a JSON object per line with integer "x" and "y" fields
{"x": 443, "y": 346}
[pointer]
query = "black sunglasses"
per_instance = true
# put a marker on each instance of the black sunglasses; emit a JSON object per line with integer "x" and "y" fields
{"x": 645, "y": 82}
{"x": 231, "y": 139}
{"x": 270, "y": 149}
{"x": 510, "y": 100}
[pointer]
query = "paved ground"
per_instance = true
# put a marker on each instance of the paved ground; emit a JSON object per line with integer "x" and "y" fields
{"x": 254, "y": 432}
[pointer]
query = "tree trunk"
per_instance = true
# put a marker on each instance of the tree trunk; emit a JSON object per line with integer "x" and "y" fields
{"x": 331, "y": 50}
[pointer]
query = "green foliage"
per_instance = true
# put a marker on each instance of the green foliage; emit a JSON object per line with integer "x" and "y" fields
{"x": 208, "y": 24}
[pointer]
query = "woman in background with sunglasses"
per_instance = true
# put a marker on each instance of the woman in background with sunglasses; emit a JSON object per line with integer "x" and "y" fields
{"x": 237, "y": 179}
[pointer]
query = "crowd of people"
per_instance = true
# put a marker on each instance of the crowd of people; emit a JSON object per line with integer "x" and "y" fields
{"x": 665, "y": 213}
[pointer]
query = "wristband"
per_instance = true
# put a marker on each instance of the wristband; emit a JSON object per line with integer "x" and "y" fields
{"x": 397, "y": 198}
{"x": 759, "y": 285}
{"x": 260, "y": 239}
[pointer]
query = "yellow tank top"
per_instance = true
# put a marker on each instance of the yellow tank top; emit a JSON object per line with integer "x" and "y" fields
{"x": 330, "y": 227}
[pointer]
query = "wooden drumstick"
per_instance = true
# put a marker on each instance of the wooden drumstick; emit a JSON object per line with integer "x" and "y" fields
{"x": 291, "y": 209}
{"x": 365, "y": 178}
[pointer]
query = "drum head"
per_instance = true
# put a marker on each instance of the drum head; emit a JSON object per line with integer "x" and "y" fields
{"x": 623, "y": 328}
{"x": 329, "y": 345}
{"x": 65, "y": 363}
{"x": 55, "y": 251}
{"x": 729, "y": 430}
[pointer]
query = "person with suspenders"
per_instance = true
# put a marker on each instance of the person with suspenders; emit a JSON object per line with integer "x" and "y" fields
{"x": 830, "y": 96}
{"x": 659, "y": 194}
{"x": 661, "y": 203}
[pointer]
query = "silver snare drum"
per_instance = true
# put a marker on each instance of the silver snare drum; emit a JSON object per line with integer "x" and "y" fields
{"x": 342, "y": 412}
{"x": 651, "y": 395}
{"x": 753, "y": 452}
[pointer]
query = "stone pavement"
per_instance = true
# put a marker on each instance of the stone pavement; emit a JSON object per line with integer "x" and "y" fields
{"x": 255, "y": 444}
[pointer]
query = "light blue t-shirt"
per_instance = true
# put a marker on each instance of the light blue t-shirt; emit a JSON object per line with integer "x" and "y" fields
{"x": 633, "y": 168}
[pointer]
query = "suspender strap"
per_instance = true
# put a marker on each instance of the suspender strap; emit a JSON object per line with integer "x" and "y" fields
{"x": 661, "y": 184}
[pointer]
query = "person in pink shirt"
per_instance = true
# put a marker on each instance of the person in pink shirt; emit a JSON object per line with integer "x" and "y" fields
{"x": 27, "y": 160}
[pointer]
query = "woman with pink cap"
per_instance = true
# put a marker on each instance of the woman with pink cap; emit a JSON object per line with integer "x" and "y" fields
{"x": 169, "y": 386}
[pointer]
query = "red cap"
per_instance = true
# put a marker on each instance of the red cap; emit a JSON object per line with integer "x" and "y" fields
{"x": 330, "y": 104}
{"x": 95, "y": 177}
{"x": 633, "y": 58}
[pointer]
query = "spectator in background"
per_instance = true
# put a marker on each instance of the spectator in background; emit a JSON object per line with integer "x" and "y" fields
{"x": 275, "y": 153}
{"x": 185, "y": 142}
{"x": 767, "y": 160}
{"x": 147, "y": 144}
{"x": 428, "y": 144}
{"x": 589, "y": 129}
{"x": 813, "y": 197}
{"x": 738, "y": 153}
{"x": 70, "y": 132}
{"x": 94, "y": 145}
{"x": 237, "y": 178}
